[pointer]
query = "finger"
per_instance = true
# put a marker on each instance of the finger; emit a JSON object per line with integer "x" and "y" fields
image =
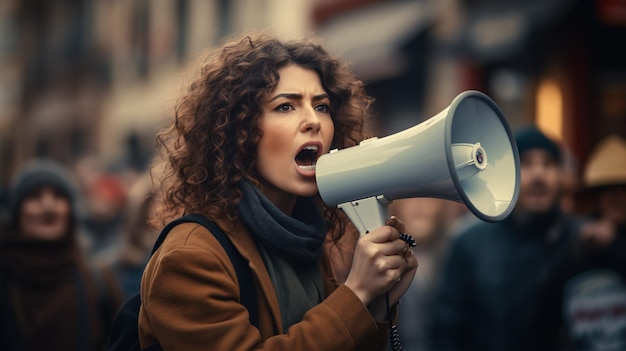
{"x": 395, "y": 222}
{"x": 395, "y": 262}
{"x": 411, "y": 260}
{"x": 390, "y": 248}
{"x": 383, "y": 234}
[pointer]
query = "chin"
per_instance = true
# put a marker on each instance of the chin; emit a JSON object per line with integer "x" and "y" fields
{"x": 307, "y": 190}
{"x": 49, "y": 236}
{"x": 307, "y": 193}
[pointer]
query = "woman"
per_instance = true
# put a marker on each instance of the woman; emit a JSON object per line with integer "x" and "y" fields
{"x": 51, "y": 296}
{"x": 242, "y": 151}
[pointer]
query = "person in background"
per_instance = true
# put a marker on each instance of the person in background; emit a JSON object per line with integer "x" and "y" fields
{"x": 107, "y": 201}
{"x": 137, "y": 237}
{"x": 429, "y": 221}
{"x": 104, "y": 197}
{"x": 242, "y": 151}
{"x": 51, "y": 297}
{"x": 583, "y": 300}
{"x": 490, "y": 277}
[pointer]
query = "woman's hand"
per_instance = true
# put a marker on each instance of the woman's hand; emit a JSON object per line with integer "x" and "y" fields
{"x": 411, "y": 267}
{"x": 382, "y": 263}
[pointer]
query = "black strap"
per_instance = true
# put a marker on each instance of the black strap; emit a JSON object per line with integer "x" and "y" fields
{"x": 244, "y": 274}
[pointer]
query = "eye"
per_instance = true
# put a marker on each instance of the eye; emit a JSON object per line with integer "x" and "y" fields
{"x": 324, "y": 108}
{"x": 286, "y": 107}
{"x": 35, "y": 194}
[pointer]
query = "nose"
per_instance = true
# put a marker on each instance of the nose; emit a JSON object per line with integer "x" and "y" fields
{"x": 49, "y": 198}
{"x": 311, "y": 122}
{"x": 311, "y": 126}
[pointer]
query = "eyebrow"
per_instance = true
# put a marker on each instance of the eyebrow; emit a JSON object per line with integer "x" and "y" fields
{"x": 298, "y": 96}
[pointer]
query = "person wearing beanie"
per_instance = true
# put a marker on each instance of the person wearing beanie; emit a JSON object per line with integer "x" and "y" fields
{"x": 585, "y": 295}
{"x": 486, "y": 296}
{"x": 51, "y": 298}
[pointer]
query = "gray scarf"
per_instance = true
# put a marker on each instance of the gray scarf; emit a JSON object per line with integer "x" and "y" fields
{"x": 298, "y": 238}
{"x": 290, "y": 247}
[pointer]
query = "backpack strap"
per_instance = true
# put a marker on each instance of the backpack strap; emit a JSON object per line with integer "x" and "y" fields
{"x": 244, "y": 274}
{"x": 124, "y": 333}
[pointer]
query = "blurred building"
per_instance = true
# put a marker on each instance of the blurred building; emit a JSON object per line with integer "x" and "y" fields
{"x": 560, "y": 64}
{"x": 97, "y": 77}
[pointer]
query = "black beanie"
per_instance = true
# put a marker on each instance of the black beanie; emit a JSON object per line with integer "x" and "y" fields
{"x": 530, "y": 137}
{"x": 35, "y": 175}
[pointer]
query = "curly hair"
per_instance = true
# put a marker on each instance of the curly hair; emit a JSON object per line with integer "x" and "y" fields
{"x": 212, "y": 142}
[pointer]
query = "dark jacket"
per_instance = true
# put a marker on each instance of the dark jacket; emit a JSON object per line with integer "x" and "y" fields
{"x": 582, "y": 302}
{"x": 52, "y": 299}
{"x": 486, "y": 297}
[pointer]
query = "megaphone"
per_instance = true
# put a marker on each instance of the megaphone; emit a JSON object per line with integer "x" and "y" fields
{"x": 465, "y": 153}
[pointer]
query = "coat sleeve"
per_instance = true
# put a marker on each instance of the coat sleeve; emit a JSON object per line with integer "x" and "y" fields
{"x": 190, "y": 302}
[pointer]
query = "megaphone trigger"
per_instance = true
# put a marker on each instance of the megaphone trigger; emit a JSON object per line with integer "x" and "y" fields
{"x": 367, "y": 213}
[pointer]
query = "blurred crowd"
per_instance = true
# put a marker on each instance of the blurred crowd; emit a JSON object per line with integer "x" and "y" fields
{"x": 552, "y": 276}
{"x": 73, "y": 244}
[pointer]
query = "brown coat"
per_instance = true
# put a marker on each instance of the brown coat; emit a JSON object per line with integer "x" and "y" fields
{"x": 190, "y": 302}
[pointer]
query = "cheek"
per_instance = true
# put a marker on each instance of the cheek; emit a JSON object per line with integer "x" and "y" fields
{"x": 524, "y": 177}
{"x": 555, "y": 180}
{"x": 28, "y": 216}
{"x": 328, "y": 131}
{"x": 271, "y": 145}
{"x": 29, "y": 209}
{"x": 64, "y": 209}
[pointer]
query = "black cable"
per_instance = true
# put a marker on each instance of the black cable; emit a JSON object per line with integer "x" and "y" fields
{"x": 409, "y": 239}
{"x": 394, "y": 334}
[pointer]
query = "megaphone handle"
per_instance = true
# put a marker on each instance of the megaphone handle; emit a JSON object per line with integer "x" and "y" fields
{"x": 367, "y": 214}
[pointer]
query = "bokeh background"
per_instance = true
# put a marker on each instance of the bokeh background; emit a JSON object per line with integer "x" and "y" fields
{"x": 89, "y": 82}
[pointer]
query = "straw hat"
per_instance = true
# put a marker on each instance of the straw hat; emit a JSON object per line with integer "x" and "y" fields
{"x": 607, "y": 163}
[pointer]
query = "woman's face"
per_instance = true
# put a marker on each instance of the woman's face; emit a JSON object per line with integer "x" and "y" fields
{"x": 45, "y": 214}
{"x": 297, "y": 129}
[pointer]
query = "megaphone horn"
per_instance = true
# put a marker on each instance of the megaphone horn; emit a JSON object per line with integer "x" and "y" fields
{"x": 465, "y": 153}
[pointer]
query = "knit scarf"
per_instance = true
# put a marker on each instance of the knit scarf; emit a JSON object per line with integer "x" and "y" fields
{"x": 40, "y": 282}
{"x": 290, "y": 248}
{"x": 298, "y": 238}
{"x": 39, "y": 264}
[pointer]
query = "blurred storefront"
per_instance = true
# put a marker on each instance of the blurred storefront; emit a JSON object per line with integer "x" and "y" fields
{"x": 384, "y": 42}
{"x": 555, "y": 63}
{"x": 97, "y": 77}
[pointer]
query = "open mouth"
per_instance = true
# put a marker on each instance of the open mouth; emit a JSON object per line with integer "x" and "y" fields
{"x": 305, "y": 159}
